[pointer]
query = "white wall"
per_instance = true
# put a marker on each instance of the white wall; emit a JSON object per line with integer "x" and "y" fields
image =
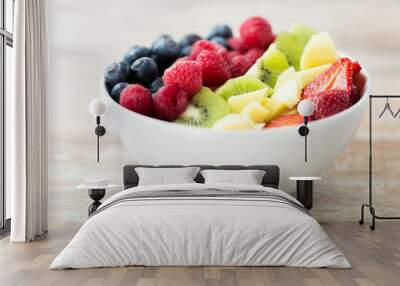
{"x": 85, "y": 36}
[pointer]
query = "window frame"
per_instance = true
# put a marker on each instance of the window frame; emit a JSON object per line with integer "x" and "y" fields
{"x": 6, "y": 39}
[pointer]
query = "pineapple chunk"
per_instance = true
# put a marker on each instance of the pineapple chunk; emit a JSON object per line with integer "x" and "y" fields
{"x": 289, "y": 93}
{"x": 304, "y": 77}
{"x": 274, "y": 107}
{"x": 255, "y": 112}
{"x": 319, "y": 50}
{"x": 234, "y": 122}
{"x": 238, "y": 102}
{"x": 288, "y": 74}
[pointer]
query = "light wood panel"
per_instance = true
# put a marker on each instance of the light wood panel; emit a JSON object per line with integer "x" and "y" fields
{"x": 375, "y": 257}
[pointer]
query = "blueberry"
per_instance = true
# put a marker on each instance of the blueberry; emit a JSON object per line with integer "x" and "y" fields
{"x": 115, "y": 73}
{"x": 223, "y": 31}
{"x": 156, "y": 85}
{"x": 189, "y": 40}
{"x": 144, "y": 70}
{"x": 185, "y": 51}
{"x": 136, "y": 52}
{"x": 220, "y": 41}
{"x": 116, "y": 90}
{"x": 164, "y": 49}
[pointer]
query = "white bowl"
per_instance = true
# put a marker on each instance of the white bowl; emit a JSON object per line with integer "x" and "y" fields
{"x": 152, "y": 141}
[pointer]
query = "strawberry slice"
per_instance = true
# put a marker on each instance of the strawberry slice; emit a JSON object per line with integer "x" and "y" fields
{"x": 336, "y": 84}
{"x": 338, "y": 76}
{"x": 284, "y": 120}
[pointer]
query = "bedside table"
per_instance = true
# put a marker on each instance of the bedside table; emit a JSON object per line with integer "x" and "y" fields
{"x": 96, "y": 192}
{"x": 304, "y": 190}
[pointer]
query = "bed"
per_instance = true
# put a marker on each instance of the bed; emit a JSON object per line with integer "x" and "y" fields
{"x": 201, "y": 224}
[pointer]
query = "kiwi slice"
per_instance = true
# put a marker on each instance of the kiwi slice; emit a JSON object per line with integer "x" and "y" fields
{"x": 288, "y": 44}
{"x": 240, "y": 85}
{"x": 302, "y": 33}
{"x": 271, "y": 65}
{"x": 204, "y": 110}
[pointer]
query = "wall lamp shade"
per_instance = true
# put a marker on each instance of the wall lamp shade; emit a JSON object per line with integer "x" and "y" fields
{"x": 305, "y": 107}
{"x": 97, "y": 107}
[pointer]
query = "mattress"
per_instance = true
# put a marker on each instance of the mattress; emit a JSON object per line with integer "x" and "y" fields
{"x": 201, "y": 225}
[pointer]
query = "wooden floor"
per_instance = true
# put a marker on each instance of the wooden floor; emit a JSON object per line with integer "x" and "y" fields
{"x": 375, "y": 257}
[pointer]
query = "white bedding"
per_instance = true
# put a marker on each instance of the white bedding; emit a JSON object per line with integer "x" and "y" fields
{"x": 200, "y": 231}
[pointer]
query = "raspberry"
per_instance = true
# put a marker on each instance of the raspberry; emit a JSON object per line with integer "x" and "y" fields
{"x": 214, "y": 68}
{"x": 230, "y": 55}
{"x": 138, "y": 99}
{"x": 170, "y": 101}
{"x": 330, "y": 102}
{"x": 183, "y": 59}
{"x": 204, "y": 45}
{"x": 253, "y": 55}
{"x": 238, "y": 44}
{"x": 186, "y": 74}
{"x": 256, "y": 32}
{"x": 239, "y": 65}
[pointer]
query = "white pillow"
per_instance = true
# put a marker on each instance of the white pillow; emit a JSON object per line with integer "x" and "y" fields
{"x": 164, "y": 176}
{"x": 248, "y": 177}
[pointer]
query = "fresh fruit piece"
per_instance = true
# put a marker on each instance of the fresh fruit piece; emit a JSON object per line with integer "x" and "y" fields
{"x": 286, "y": 120}
{"x": 136, "y": 52}
{"x": 144, "y": 70}
{"x": 204, "y": 110}
{"x": 223, "y": 31}
{"x": 187, "y": 74}
{"x": 185, "y": 51}
{"x": 238, "y": 44}
{"x": 337, "y": 76}
{"x": 253, "y": 55}
{"x": 138, "y": 99}
{"x": 354, "y": 95}
{"x": 239, "y": 102}
{"x": 231, "y": 54}
{"x": 234, "y": 122}
{"x": 165, "y": 50}
{"x": 115, "y": 73}
{"x": 285, "y": 76}
{"x": 220, "y": 41}
{"x": 170, "y": 101}
{"x": 330, "y": 102}
{"x": 255, "y": 112}
{"x": 274, "y": 107}
{"x": 183, "y": 59}
{"x": 304, "y": 77}
{"x": 291, "y": 47}
{"x": 117, "y": 89}
{"x": 302, "y": 33}
{"x": 239, "y": 65}
{"x": 204, "y": 45}
{"x": 289, "y": 93}
{"x": 214, "y": 68}
{"x": 292, "y": 111}
{"x": 240, "y": 85}
{"x": 267, "y": 68}
{"x": 156, "y": 85}
{"x": 319, "y": 50}
{"x": 189, "y": 40}
{"x": 256, "y": 32}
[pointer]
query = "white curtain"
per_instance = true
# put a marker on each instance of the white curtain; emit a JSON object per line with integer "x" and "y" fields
{"x": 26, "y": 123}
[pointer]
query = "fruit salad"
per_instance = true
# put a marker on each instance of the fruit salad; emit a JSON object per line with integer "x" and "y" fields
{"x": 225, "y": 82}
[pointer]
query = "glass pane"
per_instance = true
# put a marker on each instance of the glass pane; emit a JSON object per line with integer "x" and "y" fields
{"x": 8, "y": 87}
{"x": 9, "y": 15}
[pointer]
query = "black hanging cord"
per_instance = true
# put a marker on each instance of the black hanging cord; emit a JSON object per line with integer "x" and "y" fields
{"x": 369, "y": 205}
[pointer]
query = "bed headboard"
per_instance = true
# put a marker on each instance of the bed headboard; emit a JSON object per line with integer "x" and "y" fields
{"x": 271, "y": 177}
